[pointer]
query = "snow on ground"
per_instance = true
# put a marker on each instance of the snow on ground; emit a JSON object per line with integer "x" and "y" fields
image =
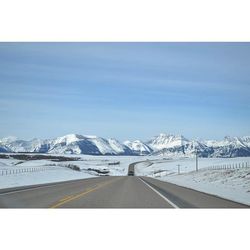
{"x": 46, "y": 171}
{"x": 47, "y": 176}
{"x": 233, "y": 184}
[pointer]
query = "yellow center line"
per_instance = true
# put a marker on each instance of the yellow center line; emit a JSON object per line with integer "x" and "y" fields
{"x": 74, "y": 197}
{"x": 66, "y": 198}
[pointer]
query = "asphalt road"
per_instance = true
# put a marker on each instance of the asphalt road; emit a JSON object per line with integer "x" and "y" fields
{"x": 111, "y": 192}
{"x": 131, "y": 167}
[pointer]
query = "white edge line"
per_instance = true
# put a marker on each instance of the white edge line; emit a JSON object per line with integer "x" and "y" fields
{"x": 162, "y": 196}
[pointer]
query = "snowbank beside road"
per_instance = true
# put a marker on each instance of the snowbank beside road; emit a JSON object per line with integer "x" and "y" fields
{"x": 233, "y": 184}
{"x": 42, "y": 177}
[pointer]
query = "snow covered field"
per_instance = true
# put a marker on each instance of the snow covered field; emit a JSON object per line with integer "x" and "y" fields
{"x": 233, "y": 184}
{"x": 170, "y": 166}
{"x": 15, "y": 172}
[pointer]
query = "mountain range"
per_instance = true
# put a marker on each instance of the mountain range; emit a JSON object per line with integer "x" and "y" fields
{"x": 160, "y": 145}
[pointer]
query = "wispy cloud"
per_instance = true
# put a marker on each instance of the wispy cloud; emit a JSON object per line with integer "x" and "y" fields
{"x": 107, "y": 88}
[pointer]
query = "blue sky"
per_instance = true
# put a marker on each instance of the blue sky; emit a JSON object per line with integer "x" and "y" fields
{"x": 124, "y": 90}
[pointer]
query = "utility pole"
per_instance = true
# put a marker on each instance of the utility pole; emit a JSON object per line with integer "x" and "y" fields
{"x": 179, "y": 168}
{"x": 196, "y": 159}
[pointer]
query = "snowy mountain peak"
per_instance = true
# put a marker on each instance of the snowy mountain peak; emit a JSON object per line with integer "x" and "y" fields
{"x": 138, "y": 147}
{"x": 166, "y": 141}
{"x": 90, "y": 136}
{"x": 8, "y": 139}
{"x": 67, "y": 139}
{"x": 246, "y": 140}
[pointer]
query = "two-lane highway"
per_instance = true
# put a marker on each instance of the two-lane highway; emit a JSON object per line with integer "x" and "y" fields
{"x": 102, "y": 192}
{"x": 111, "y": 192}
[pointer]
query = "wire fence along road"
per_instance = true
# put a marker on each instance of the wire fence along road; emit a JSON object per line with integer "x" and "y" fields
{"x": 180, "y": 170}
{"x": 26, "y": 170}
{"x": 228, "y": 166}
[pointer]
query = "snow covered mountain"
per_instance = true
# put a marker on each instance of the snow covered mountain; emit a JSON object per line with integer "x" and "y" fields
{"x": 3, "y": 149}
{"x": 246, "y": 140}
{"x": 68, "y": 144}
{"x": 177, "y": 146}
{"x": 230, "y": 147}
{"x": 93, "y": 145}
{"x": 163, "y": 141}
{"x": 161, "y": 145}
{"x": 138, "y": 147}
{"x": 16, "y": 145}
{"x": 119, "y": 147}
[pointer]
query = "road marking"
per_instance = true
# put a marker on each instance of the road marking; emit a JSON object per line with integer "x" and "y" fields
{"x": 74, "y": 197}
{"x": 162, "y": 196}
{"x": 65, "y": 198}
